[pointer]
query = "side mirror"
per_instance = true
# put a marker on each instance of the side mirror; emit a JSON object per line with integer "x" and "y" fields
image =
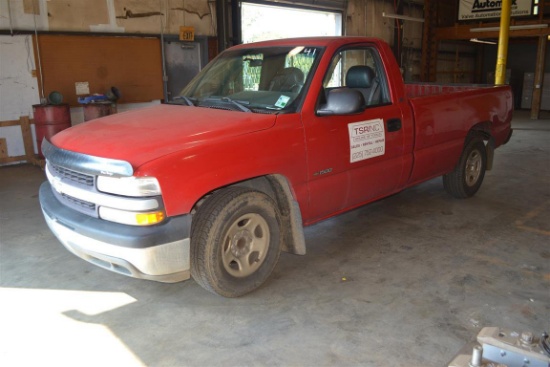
{"x": 342, "y": 101}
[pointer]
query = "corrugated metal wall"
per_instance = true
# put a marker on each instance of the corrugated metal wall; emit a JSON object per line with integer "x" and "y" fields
{"x": 456, "y": 63}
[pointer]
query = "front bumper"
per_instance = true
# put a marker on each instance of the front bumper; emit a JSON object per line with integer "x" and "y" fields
{"x": 159, "y": 252}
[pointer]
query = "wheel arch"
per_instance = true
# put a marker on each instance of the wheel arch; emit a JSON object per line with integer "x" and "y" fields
{"x": 277, "y": 188}
{"x": 483, "y": 130}
{"x": 466, "y": 178}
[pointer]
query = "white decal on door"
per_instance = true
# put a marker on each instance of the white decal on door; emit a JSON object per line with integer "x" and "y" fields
{"x": 367, "y": 139}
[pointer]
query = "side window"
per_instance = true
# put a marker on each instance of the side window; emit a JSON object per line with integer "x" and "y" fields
{"x": 361, "y": 69}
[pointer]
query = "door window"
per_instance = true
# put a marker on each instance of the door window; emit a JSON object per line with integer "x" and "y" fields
{"x": 360, "y": 69}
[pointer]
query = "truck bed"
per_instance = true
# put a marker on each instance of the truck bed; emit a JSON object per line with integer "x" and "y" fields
{"x": 427, "y": 89}
{"x": 443, "y": 115}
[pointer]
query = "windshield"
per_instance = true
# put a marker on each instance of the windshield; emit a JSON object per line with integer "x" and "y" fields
{"x": 253, "y": 80}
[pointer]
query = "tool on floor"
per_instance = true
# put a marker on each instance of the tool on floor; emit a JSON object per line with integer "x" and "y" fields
{"x": 496, "y": 347}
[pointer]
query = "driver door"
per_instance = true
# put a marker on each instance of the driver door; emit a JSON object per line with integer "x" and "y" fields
{"x": 354, "y": 159}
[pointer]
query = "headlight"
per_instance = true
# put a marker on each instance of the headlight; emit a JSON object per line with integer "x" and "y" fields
{"x": 129, "y": 186}
{"x": 131, "y": 218}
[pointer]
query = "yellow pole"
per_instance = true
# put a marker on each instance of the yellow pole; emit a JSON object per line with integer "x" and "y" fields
{"x": 500, "y": 71}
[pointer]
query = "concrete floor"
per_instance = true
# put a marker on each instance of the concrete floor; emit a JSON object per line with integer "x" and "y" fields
{"x": 406, "y": 281}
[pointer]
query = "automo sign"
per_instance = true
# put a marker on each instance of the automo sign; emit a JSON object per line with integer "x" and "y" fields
{"x": 486, "y": 9}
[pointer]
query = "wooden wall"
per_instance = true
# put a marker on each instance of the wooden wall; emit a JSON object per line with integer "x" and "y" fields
{"x": 131, "y": 64}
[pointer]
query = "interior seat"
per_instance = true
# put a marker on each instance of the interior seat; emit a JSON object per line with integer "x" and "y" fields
{"x": 289, "y": 79}
{"x": 363, "y": 78}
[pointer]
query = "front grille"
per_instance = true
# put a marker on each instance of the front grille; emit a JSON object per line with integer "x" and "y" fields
{"x": 73, "y": 176}
{"x": 86, "y": 205}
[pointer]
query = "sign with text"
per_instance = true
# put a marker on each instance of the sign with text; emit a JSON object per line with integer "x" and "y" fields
{"x": 367, "y": 139}
{"x": 187, "y": 34}
{"x": 487, "y": 9}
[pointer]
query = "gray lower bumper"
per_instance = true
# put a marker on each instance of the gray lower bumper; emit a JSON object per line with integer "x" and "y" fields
{"x": 159, "y": 253}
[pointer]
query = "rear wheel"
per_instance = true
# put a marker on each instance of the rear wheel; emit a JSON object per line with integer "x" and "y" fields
{"x": 235, "y": 241}
{"x": 468, "y": 174}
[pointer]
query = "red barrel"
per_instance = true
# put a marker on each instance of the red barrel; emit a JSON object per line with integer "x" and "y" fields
{"x": 97, "y": 110}
{"x": 49, "y": 120}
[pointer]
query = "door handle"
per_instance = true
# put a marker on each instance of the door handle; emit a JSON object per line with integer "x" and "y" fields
{"x": 393, "y": 124}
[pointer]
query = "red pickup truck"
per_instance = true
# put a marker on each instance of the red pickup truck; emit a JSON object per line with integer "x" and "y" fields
{"x": 268, "y": 138}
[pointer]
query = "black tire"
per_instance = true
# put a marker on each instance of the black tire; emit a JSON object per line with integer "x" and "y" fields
{"x": 468, "y": 174}
{"x": 235, "y": 241}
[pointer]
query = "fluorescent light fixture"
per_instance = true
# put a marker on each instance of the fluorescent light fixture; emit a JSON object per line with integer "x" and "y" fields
{"x": 512, "y": 28}
{"x": 475, "y": 40}
{"x": 402, "y": 17}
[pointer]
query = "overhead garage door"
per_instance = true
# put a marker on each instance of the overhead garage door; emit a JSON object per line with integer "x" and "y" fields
{"x": 339, "y": 5}
{"x": 263, "y": 20}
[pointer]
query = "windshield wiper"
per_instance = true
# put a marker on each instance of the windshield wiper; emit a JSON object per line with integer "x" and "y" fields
{"x": 239, "y": 104}
{"x": 187, "y": 100}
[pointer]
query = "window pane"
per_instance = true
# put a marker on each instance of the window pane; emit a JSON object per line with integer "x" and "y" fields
{"x": 252, "y": 70}
{"x": 269, "y": 78}
{"x": 366, "y": 75}
{"x": 263, "y": 22}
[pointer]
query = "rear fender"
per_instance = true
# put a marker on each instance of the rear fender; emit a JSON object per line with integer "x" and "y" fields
{"x": 483, "y": 130}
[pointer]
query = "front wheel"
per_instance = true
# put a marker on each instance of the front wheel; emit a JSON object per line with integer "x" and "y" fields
{"x": 235, "y": 241}
{"x": 468, "y": 174}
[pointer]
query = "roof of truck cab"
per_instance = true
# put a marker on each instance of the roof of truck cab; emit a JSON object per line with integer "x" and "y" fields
{"x": 311, "y": 41}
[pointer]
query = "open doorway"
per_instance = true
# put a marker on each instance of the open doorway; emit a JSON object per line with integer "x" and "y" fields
{"x": 264, "y": 22}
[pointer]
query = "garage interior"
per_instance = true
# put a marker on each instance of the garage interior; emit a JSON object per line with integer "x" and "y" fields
{"x": 406, "y": 281}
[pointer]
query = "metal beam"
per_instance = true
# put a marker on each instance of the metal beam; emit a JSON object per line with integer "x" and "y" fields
{"x": 463, "y": 31}
{"x": 221, "y": 24}
{"x": 236, "y": 22}
{"x": 502, "y": 54}
{"x": 430, "y": 45}
{"x": 539, "y": 78}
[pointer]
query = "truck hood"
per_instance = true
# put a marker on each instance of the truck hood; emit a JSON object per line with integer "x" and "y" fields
{"x": 140, "y": 136}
